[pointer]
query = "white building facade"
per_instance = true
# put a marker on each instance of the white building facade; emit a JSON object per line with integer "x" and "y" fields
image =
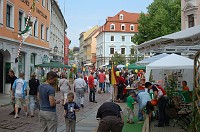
{"x": 115, "y": 36}
{"x": 57, "y": 33}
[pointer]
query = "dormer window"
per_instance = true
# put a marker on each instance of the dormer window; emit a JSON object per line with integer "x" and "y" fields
{"x": 123, "y": 27}
{"x": 132, "y": 27}
{"x": 112, "y": 26}
{"x": 121, "y": 17}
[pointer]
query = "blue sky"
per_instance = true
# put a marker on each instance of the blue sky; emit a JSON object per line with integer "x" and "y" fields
{"x": 82, "y": 15}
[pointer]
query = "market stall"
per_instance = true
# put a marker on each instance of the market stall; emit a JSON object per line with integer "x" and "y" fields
{"x": 172, "y": 66}
{"x": 151, "y": 59}
{"x": 134, "y": 66}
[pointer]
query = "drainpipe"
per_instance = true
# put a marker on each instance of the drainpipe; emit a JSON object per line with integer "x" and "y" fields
{"x": 104, "y": 49}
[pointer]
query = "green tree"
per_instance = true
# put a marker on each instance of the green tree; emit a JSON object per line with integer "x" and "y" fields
{"x": 71, "y": 53}
{"x": 163, "y": 17}
{"x": 118, "y": 59}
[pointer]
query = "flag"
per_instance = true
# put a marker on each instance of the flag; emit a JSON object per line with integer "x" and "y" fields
{"x": 26, "y": 32}
{"x": 113, "y": 76}
{"x": 28, "y": 29}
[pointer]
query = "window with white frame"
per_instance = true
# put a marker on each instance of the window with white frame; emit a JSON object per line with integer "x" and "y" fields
{"x": 123, "y": 51}
{"x": 48, "y": 4}
{"x": 47, "y": 34}
{"x": 112, "y": 26}
{"x": 43, "y": 3}
{"x": 132, "y": 27}
{"x": 122, "y": 27}
{"x": 9, "y": 15}
{"x": 131, "y": 38}
{"x": 20, "y": 21}
{"x": 1, "y": 11}
{"x": 35, "y": 32}
{"x": 112, "y": 50}
{"x": 123, "y": 38}
{"x": 121, "y": 17}
{"x": 42, "y": 32}
{"x": 21, "y": 62}
{"x": 32, "y": 62}
{"x": 112, "y": 38}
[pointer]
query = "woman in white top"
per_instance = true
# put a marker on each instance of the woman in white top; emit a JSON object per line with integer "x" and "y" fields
{"x": 107, "y": 82}
{"x": 64, "y": 87}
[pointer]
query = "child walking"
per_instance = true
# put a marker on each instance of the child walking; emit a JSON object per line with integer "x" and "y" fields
{"x": 70, "y": 109}
{"x": 130, "y": 107}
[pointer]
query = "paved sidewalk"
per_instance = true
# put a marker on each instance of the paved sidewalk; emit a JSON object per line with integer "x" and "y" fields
{"x": 86, "y": 122}
{"x": 86, "y": 117}
{"x": 4, "y": 99}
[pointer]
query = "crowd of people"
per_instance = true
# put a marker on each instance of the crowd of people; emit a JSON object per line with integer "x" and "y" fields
{"x": 42, "y": 96}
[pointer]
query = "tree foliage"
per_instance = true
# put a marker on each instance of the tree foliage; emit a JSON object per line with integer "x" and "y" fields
{"x": 163, "y": 17}
{"x": 118, "y": 59}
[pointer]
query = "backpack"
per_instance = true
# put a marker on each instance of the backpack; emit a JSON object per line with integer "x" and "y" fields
{"x": 19, "y": 88}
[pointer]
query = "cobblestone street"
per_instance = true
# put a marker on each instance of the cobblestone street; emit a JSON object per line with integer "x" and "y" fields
{"x": 86, "y": 120}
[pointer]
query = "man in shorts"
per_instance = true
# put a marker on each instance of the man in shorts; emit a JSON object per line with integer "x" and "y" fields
{"x": 12, "y": 78}
{"x": 19, "y": 91}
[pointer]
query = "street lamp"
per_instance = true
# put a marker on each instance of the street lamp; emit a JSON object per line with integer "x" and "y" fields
{"x": 55, "y": 49}
{"x": 136, "y": 50}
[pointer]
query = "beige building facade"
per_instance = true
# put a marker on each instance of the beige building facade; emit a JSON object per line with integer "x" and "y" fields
{"x": 190, "y": 15}
{"x": 87, "y": 52}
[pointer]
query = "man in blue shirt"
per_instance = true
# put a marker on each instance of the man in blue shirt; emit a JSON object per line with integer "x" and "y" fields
{"x": 46, "y": 96}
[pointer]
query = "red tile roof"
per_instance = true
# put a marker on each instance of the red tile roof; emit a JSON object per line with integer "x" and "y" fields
{"x": 128, "y": 19}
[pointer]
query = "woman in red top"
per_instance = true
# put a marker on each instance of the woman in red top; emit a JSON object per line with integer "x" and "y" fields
{"x": 185, "y": 87}
{"x": 121, "y": 87}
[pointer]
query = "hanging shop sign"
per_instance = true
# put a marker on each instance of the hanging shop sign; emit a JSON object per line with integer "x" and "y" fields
{"x": 41, "y": 13}
{"x": 26, "y": 2}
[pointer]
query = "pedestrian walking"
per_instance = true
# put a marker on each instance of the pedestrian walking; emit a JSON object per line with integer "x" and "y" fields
{"x": 107, "y": 82}
{"x": 79, "y": 86}
{"x": 64, "y": 87}
{"x": 12, "y": 79}
{"x": 33, "y": 85}
{"x": 111, "y": 118}
{"x": 46, "y": 96}
{"x": 92, "y": 88}
{"x": 121, "y": 86}
{"x": 102, "y": 78}
{"x": 70, "y": 109}
{"x": 19, "y": 91}
{"x": 86, "y": 81}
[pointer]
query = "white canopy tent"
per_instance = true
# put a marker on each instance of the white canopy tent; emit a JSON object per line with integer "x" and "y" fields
{"x": 151, "y": 59}
{"x": 120, "y": 66}
{"x": 88, "y": 64}
{"x": 172, "y": 62}
{"x": 189, "y": 36}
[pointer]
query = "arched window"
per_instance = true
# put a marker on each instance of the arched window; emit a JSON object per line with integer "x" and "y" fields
{"x": 112, "y": 26}
{"x": 132, "y": 27}
{"x": 123, "y": 27}
{"x": 121, "y": 17}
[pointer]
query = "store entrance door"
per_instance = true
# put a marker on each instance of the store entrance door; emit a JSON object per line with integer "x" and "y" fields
{"x": 1, "y": 72}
